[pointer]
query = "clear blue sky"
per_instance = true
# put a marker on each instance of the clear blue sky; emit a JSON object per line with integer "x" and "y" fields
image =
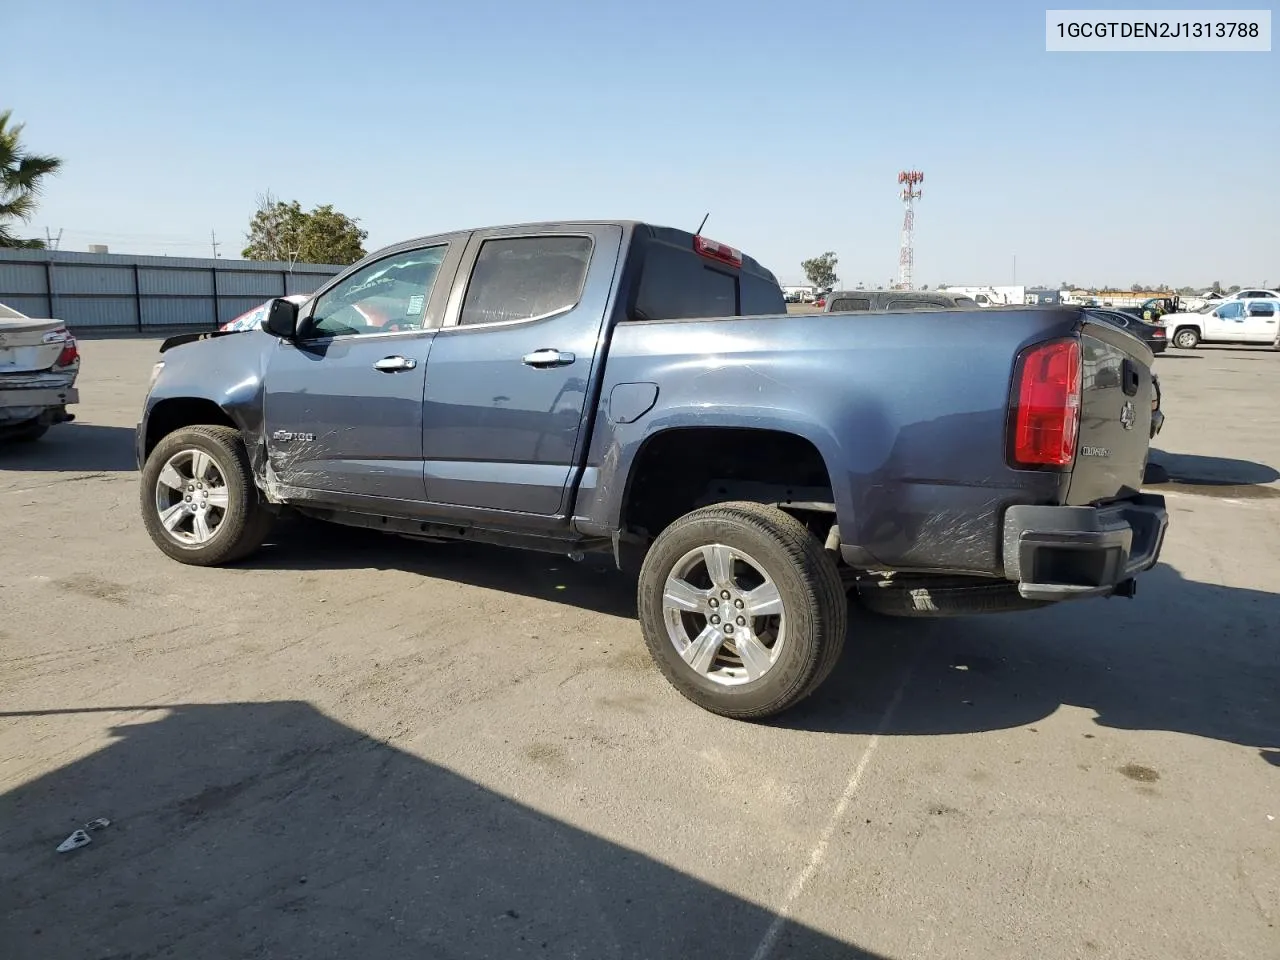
{"x": 788, "y": 122}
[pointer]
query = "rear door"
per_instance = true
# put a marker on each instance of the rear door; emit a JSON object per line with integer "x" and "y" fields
{"x": 1115, "y": 415}
{"x": 1260, "y": 320}
{"x": 510, "y": 370}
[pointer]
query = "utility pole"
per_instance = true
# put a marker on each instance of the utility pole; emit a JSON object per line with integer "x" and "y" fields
{"x": 1015, "y": 269}
{"x": 49, "y": 241}
{"x": 213, "y": 238}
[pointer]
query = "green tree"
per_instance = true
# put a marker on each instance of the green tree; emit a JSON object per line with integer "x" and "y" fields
{"x": 284, "y": 231}
{"x": 1234, "y": 288}
{"x": 821, "y": 271}
{"x": 21, "y": 178}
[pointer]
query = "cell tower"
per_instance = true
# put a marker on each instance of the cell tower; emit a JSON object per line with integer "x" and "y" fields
{"x": 910, "y": 181}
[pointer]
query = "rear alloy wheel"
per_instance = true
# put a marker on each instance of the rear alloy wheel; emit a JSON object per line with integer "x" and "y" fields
{"x": 1186, "y": 339}
{"x": 199, "y": 502}
{"x": 742, "y": 609}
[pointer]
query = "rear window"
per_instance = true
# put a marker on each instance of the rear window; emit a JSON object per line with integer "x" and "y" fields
{"x": 676, "y": 284}
{"x": 1262, "y": 309}
{"x": 520, "y": 278}
{"x": 850, "y": 304}
{"x": 966, "y": 302}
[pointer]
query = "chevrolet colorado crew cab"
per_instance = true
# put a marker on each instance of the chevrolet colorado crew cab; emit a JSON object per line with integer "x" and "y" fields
{"x": 641, "y": 391}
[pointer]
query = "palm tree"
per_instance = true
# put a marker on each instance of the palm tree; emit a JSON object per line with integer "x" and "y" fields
{"x": 21, "y": 174}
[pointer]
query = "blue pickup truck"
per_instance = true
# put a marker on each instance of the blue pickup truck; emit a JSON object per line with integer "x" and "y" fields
{"x": 641, "y": 391}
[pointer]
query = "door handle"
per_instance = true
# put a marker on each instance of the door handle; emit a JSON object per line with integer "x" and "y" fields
{"x": 395, "y": 364}
{"x": 548, "y": 358}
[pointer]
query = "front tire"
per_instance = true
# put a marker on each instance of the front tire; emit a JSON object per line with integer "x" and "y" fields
{"x": 742, "y": 609}
{"x": 199, "y": 502}
{"x": 1186, "y": 339}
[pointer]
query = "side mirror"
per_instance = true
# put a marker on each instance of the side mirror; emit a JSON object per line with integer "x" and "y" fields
{"x": 282, "y": 319}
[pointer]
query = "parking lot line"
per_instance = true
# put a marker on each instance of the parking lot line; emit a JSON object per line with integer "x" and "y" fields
{"x": 819, "y": 851}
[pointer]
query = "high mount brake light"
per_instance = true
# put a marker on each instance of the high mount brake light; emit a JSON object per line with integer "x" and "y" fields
{"x": 714, "y": 250}
{"x": 1046, "y": 421}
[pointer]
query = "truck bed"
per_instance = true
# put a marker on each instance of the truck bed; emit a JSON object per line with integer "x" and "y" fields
{"x": 912, "y": 408}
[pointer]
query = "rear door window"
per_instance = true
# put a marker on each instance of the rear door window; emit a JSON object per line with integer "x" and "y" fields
{"x": 1261, "y": 308}
{"x": 525, "y": 278}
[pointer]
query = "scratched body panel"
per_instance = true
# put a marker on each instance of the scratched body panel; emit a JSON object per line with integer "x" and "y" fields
{"x": 907, "y": 410}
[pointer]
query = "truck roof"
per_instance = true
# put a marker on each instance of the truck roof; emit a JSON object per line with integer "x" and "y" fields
{"x": 630, "y": 228}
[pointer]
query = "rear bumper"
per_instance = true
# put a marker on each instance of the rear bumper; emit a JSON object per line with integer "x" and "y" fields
{"x": 1063, "y": 553}
{"x": 18, "y": 404}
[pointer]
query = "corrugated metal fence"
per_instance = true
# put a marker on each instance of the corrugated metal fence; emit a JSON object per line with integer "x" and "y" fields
{"x": 107, "y": 291}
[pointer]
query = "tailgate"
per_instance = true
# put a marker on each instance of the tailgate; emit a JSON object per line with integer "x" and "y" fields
{"x": 28, "y": 345}
{"x": 1116, "y": 402}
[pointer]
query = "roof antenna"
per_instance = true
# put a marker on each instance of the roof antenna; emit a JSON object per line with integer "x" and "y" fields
{"x": 698, "y": 232}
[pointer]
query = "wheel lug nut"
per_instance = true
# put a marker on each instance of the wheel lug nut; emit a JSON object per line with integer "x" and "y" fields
{"x": 715, "y": 602}
{"x": 742, "y": 621}
{"x": 739, "y": 604}
{"x": 728, "y": 628}
{"x": 724, "y": 594}
{"x": 715, "y": 619}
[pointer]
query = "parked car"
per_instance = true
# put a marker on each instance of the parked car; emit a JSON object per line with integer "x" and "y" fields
{"x": 1231, "y": 321}
{"x": 857, "y": 301}
{"x": 639, "y": 391}
{"x": 39, "y": 363}
{"x": 1152, "y": 334}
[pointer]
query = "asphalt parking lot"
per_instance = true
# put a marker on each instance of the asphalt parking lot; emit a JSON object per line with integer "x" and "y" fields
{"x": 355, "y": 746}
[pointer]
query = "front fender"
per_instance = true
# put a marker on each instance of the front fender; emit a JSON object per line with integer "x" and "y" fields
{"x": 227, "y": 373}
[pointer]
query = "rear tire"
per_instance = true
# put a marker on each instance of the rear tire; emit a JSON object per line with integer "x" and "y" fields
{"x": 27, "y": 433}
{"x": 199, "y": 502}
{"x": 1186, "y": 339}
{"x": 721, "y": 562}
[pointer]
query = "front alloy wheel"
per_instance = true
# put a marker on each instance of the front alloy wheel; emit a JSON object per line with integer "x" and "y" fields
{"x": 199, "y": 502}
{"x": 191, "y": 497}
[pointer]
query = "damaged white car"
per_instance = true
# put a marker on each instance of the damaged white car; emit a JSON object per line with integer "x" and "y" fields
{"x": 39, "y": 363}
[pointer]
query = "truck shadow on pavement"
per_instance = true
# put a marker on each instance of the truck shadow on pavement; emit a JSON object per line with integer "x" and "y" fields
{"x": 73, "y": 448}
{"x": 1183, "y": 656}
{"x": 269, "y": 829}
{"x": 592, "y": 583}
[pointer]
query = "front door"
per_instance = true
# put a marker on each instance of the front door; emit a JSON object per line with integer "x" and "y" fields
{"x": 343, "y": 401}
{"x": 1226, "y": 323}
{"x": 511, "y": 367}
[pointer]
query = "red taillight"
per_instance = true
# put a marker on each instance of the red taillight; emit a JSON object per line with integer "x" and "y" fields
{"x": 1046, "y": 420}
{"x": 1158, "y": 332}
{"x": 69, "y": 354}
{"x": 714, "y": 250}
